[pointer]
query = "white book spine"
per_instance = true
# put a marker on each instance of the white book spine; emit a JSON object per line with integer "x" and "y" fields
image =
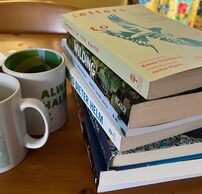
{"x": 110, "y": 180}
{"x": 94, "y": 105}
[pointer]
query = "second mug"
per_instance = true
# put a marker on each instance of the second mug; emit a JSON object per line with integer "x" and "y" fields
{"x": 41, "y": 73}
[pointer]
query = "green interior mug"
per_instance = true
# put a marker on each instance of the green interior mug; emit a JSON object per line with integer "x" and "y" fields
{"x": 33, "y": 61}
{"x": 41, "y": 73}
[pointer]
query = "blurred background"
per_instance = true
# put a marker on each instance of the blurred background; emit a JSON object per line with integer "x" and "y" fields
{"x": 188, "y": 12}
{"x": 28, "y": 16}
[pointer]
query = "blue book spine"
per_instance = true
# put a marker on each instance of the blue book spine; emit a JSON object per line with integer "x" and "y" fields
{"x": 94, "y": 151}
{"x": 102, "y": 139}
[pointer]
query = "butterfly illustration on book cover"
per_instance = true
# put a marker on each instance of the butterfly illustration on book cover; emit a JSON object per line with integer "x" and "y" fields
{"x": 142, "y": 36}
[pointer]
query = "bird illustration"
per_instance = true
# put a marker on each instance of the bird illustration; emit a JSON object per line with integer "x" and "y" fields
{"x": 142, "y": 36}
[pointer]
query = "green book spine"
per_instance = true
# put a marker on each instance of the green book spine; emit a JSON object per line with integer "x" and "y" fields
{"x": 117, "y": 93}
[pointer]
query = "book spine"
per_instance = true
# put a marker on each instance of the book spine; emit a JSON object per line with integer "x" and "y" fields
{"x": 94, "y": 106}
{"x": 114, "y": 180}
{"x": 93, "y": 149}
{"x": 99, "y": 135}
{"x": 189, "y": 139}
{"x": 108, "y": 84}
{"x": 106, "y": 100}
{"x": 132, "y": 77}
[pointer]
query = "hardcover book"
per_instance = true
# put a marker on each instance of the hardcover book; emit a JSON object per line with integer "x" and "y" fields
{"x": 141, "y": 136}
{"x": 155, "y": 55}
{"x": 107, "y": 179}
{"x": 126, "y": 107}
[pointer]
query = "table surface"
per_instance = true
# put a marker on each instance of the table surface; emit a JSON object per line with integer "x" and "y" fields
{"x": 62, "y": 165}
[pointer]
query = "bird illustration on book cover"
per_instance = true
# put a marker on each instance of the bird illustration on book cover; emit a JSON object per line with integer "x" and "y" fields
{"x": 142, "y": 36}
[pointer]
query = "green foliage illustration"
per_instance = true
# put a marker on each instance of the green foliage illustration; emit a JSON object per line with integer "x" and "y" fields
{"x": 120, "y": 95}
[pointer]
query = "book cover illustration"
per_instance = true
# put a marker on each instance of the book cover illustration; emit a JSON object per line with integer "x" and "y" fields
{"x": 191, "y": 137}
{"x": 143, "y": 36}
{"x": 157, "y": 47}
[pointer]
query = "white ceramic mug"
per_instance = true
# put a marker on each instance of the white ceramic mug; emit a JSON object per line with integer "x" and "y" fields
{"x": 41, "y": 73}
{"x": 14, "y": 139}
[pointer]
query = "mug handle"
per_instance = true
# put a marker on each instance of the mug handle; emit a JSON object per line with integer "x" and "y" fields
{"x": 29, "y": 141}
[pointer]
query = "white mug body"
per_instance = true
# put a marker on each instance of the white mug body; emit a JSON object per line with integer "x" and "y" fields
{"x": 47, "y": 86}
{"x": 14, "y": 141}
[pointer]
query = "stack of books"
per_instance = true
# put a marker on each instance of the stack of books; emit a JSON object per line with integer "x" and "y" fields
{"x": 139, "y": 77}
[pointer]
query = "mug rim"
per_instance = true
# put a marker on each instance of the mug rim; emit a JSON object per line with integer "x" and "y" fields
{"x": 2, "y": 58}
{"x": 12, "y": 72}
{"x": 16, "y": 89}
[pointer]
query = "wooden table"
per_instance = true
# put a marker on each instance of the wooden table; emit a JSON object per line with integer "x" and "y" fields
{"x": 61, "y": 166}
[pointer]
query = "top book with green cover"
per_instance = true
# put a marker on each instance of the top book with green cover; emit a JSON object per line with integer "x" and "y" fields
{"x": 155, "y": 55}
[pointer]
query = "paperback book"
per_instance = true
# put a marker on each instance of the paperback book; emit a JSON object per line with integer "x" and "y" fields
{"x": 177, "y": 148}
{"x": 108, "y": 179}
{"x": 146, "y": 50}
{"x": 126, "y": 107}
{"x": 142, "y": 136}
